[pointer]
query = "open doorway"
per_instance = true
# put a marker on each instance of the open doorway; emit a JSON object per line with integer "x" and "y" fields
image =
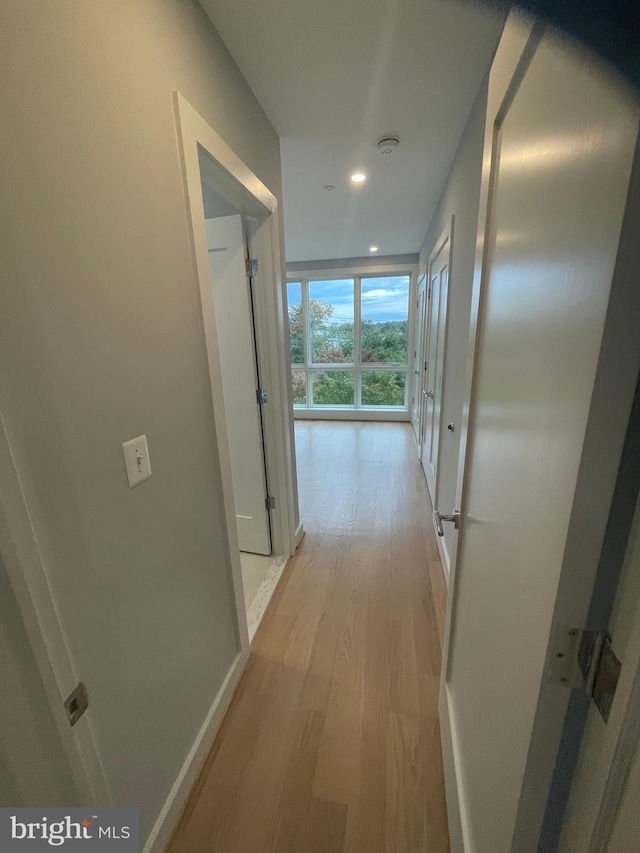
{"x": 233, "y": 288}
{"x": 235, "y": 233}
{"x": 234, "y": 283}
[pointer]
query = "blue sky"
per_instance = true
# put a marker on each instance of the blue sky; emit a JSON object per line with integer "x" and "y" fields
{"x": 382, "y": 298}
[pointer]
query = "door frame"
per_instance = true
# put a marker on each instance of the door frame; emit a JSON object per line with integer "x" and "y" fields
{"x": 619, "y": 749}
{"x": 593, "y": 813}
{"x": 272, "y": 350}
{"x": 446, "y": 237}
{"x": 417, "y": 376}
{"x": 625, "y": 717}
{"x": 256, "y": 378}
{"x": 236, "y": 182}
{"x": 609, "y": 412}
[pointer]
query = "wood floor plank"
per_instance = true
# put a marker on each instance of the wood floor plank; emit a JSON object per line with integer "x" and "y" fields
{"x": 406, "y": 806}
{"x": 338, "y": 766}
{"x": 366, "y": 820}
{"x": 331, "y": 743}
{"x": 297, "y": 795}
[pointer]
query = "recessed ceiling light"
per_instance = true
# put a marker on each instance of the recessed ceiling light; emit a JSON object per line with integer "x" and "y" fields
{"x": 358, "y": 177}
{"x": 373, "y": 248}
{"x": 329, "y": 187}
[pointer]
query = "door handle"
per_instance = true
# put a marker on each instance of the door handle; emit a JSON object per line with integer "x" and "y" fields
{"x": 454, "y": 518}
{"x": 417, "y": 372}
{"x": 428, "y": 394}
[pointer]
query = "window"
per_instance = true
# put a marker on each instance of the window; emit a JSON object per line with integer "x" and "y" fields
{"x": 385, "y": 304}
{"x": 331, "y": 321}
{"x": 349, "y": 342}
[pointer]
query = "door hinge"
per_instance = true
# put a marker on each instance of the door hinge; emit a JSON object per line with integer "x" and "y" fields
{"x": 76, "y": 703}
{"x": 585, "y": 660}
{"x": 270, "y": 502}
{"x": 252, "y": 267}
{"x": 429, "y": 292}
{"x": 262, "y": 396}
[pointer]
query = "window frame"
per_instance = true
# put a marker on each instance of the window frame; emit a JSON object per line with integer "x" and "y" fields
{"x": 357, "y": 367}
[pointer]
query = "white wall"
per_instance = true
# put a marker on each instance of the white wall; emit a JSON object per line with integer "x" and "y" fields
{"x": 460, "y": 198}
{"x": 101, "y": 340}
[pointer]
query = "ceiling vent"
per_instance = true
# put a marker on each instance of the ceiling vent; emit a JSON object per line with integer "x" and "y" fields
{"x": 388, "y": 145}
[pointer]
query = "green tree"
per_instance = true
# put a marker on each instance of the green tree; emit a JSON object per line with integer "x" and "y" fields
{"x": 330, "y": 342}
{"x": 333, "y": 388}
{"x": 320, "y": 312}
{"x": 299, "y": 387}
{"x": 384, "y": 342}
{"x": 383, "y": 388}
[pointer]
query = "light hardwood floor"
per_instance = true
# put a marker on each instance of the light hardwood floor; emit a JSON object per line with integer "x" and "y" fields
{"x": 331, "y": 743}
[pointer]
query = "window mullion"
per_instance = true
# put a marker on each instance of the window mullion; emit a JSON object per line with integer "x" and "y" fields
{"x": 357, "y": 311}
{"x": 306, "y": 326}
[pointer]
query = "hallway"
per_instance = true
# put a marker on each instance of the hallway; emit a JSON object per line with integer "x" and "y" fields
{"x": 331, "y": 742}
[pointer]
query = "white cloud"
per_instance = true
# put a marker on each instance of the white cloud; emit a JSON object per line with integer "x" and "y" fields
{"x": 381, "y": 293}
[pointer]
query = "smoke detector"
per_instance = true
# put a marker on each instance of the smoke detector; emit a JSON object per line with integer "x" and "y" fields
{"x": 388, "y": 145}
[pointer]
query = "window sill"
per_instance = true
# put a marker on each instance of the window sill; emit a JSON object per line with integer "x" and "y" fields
{"x": 346, "y": 413}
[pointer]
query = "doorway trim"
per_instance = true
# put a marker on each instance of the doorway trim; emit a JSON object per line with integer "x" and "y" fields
{"x": 418, "y": 360}
{"x": 240, "y": 185}
{"x": 446, "y": 238}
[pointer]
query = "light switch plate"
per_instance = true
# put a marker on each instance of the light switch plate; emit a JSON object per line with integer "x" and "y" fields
{"x": 136, "y": 460}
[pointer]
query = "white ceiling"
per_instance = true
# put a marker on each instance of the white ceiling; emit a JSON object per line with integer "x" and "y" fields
{"x": 334, "y": 76}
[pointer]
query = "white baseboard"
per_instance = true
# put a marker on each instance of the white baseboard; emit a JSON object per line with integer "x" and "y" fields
{"x": 458, "y": 833}
{"x": 350, "y": 415}
{"x": 299, "y": 536}
{"x": 174, "y": 803}
{"x": 258, "y": 607}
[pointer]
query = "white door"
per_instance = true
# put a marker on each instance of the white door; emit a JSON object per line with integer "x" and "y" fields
{"x": 558, "y": 153}
{"x": 416, "y": 384}
{"x": 234, "y": 322}
{"x": 435, "y": 340}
